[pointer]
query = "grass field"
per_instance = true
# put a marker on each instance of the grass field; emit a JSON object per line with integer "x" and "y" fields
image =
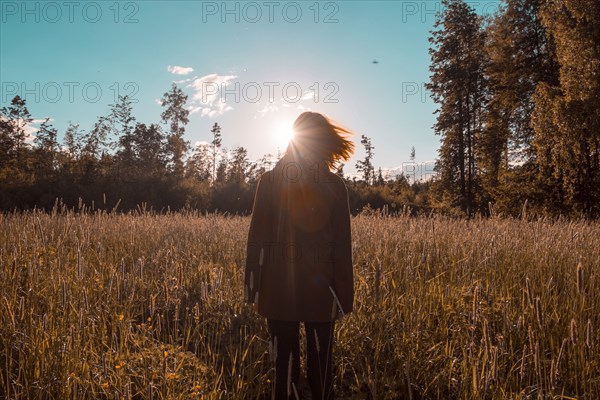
{"x": 150, "y": 307}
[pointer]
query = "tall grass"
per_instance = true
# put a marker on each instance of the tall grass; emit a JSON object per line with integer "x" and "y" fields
{"x": 107, "y": 306}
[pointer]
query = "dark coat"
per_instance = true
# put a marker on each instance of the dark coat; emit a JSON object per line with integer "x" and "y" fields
{"x": 299, "y": 255}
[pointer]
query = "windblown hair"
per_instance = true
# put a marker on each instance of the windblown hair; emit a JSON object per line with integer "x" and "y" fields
{"x": 320, "y": 138}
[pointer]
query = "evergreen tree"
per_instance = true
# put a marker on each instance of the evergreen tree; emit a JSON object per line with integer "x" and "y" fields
{"x": 73, "y": 140}
{"x": 199, "y": 165}
{"x": 239, "y": 165}
{"x": 14, "y": 120}
{"x": 366, "y": 166}
{"x": 176, "y": 116}
{"x": 221, "y": 175}
{"x": 123, "y": 124}
{"x": 380, "y": 181}
{"x": 458, "y": 86}
{"x": 73, "y": 145}
{"x": 150, "y": 147}
{"x": 216, "y": 145}
{"x": 95, "y": 142}
{"x": 46, "y": 150}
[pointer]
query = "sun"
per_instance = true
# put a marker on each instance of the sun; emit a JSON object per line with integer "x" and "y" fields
{"x": 281, "y": 133}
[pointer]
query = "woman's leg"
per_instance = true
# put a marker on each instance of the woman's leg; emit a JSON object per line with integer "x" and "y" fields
{"x": 319, "y": 346}
{"x": 285, "y": 339}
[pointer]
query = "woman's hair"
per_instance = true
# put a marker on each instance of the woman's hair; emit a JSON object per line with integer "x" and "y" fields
{"x": 320, "y": 138}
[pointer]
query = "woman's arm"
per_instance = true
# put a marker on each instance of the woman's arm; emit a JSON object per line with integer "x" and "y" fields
{"x": 343, "y": 277}
{"x": 258, "y": 235}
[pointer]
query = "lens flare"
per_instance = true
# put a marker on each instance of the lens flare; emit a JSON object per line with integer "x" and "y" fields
{"x": 281, "y": 133}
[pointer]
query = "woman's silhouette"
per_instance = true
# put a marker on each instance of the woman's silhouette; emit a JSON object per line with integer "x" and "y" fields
{"x": 299, "y": 259}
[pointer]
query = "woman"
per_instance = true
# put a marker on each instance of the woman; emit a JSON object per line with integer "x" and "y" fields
{"x": 299, "y": 258}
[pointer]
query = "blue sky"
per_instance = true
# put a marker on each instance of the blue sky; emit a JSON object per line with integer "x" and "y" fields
{"x": 71, "y": 59}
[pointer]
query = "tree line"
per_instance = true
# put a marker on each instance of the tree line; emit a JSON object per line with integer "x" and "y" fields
{"x": 518, "y": 98}
{"x": 123, "y": 164}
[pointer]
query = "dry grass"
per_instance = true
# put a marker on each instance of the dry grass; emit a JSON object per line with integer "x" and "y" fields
{"x": 147, "y": 306}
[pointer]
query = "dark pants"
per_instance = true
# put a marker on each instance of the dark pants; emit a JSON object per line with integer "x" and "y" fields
{"x": 285, "y": 338}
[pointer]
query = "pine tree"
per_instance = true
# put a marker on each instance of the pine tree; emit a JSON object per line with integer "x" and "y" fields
{"x": 122, "y": 124}
{"x": 199, "y": 165}
{"x": 73, "y": 145}
{"x": 46, "y": 150}
{"x": 458, "y": 86}
{"x": 177, "y": 117}
{"x": 14, "y": 120}
{"x": 238, "y": 166}
{"x": 216, "y": 145}
{"x": 72, "y": 140}
{"x": 150, "y": 147}
{"x": 221, "y": 174}
{"x": 366, "y": 166}
{"x": 380, "y": 181}
{"x": 95, "y": 141}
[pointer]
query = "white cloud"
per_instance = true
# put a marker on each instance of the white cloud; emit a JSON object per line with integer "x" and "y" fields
{"x": 209, "y": 88}
{"x": 224, "y": 107}
{"x": 309, "y": 96}
{"x": 185, "y": 80}
{"x": 271, "y": 107}
{"x": 193, "y": 109}
{"x": 177, "y": 70}
{"x": 208, "y": 97}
